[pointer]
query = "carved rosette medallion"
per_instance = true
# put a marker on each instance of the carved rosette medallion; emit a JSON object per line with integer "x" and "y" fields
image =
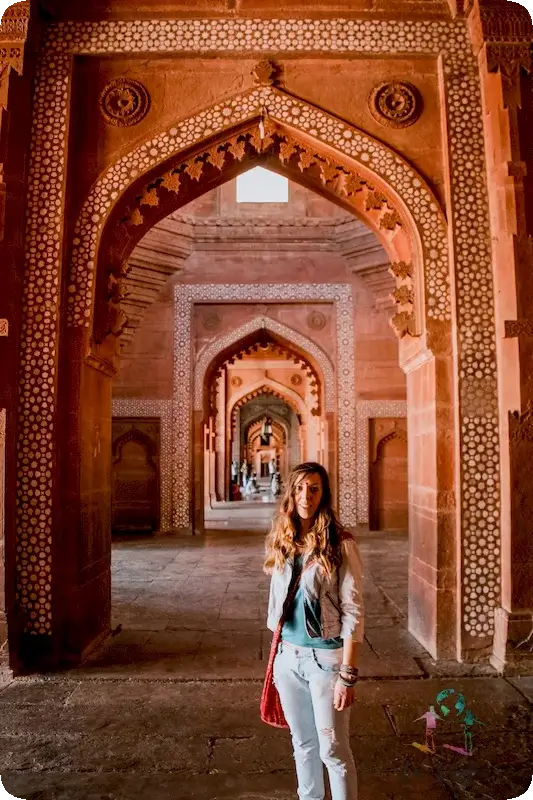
{"x": 316, "y": 320}
{"x": 124, "y": 102}
{"x": 395, "y": 104}
{"x": 296, "y": 380}
{"x": 236, "y": 382}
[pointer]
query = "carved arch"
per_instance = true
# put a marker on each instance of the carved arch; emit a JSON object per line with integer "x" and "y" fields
{"x": 268, "y": 386}
{"x": 395, "y": 434}
{"x": 318, "y": 359}
{"x": 253, "y": 428}
{"x": 139, "y": 437}
{"x": 328, "y": 139}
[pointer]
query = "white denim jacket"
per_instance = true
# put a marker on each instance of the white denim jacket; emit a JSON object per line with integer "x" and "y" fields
{"x": 340, "y": 595}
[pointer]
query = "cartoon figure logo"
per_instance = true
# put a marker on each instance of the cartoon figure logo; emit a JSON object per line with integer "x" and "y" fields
{"x": 431, "y": 723}
{"x": 468, "y": 721}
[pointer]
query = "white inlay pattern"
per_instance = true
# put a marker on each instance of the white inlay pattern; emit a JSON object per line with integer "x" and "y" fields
{"x": 184, "y": 298}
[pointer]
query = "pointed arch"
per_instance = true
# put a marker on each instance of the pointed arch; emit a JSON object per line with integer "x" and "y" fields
{"x": 411, "y": 196}
{"x": 273, "y": 326}
{"x": 270, "y": 386}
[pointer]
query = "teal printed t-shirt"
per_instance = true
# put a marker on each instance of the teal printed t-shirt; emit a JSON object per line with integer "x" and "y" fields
{"x": 294, "y": 630}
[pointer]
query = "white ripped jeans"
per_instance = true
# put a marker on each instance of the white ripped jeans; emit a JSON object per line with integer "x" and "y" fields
{"x": 305, "y": 678}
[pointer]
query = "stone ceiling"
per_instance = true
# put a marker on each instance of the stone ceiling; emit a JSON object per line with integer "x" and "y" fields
{"x": 167, "y": 246}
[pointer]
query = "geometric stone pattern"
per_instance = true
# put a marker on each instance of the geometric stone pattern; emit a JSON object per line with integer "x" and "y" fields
{"x": 185, "y": 295}
{"x": 469, "y": 220}
{"x": 149, "y": 407}
{"x": 478, "y": 376}
{"x": 370, "y": 409}
{"x": 274, "y": 326}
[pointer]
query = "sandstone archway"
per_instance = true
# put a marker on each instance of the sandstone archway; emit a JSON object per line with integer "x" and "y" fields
{"x": 346, "y": 165}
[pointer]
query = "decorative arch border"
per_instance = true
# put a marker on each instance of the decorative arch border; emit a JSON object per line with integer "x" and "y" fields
{"x": 342, "y": 389}
{"x": 276, "y": 389}
{"x": 272, "y": 325}
{"x": 447, "y": 41}
{"x": 406, "y": 186}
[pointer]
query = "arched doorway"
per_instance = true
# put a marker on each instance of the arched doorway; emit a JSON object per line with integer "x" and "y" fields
{"x": 388, "y": 477}
{"x": 265, "y": 375}
{"x": 399, "y": 220}
{"x": 135, "y": 477}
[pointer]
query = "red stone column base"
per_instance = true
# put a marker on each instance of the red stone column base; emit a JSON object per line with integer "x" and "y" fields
{"x": 513, "y": 639}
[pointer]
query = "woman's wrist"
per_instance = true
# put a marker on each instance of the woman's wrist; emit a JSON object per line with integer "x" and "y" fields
{"x": 348, "y": 681}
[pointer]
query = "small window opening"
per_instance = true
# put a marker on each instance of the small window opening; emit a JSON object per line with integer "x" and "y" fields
{"x": 259, "y": 185}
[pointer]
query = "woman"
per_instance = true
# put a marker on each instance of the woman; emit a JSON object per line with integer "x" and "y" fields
{"x": 316, "y": 598}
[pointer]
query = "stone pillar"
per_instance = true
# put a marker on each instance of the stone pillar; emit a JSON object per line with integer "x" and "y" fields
{"x": 18, "y": 40}
{"x": 502, "y": 37}
{"x": 197, "y": 471}
{"x": 81, "y": 546}
{"x": 221, "y": 451}
{"x": 433, "y": 526}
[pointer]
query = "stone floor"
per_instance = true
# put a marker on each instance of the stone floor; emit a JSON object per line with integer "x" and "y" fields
{"x": 167, "y": 708}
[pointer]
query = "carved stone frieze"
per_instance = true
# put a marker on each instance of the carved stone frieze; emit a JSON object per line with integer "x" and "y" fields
{"x": 270, "y": 139}
{"x": 509, "y": 58}
{"x": 396, "y": 104}
{"x": 257, "y": 393}
{"x": 116, "y": 320}
{"x": 124, "y": 102}
{"x": 505, "y": 23}
{"x": 14, "y": 22}
{"x": 13, "y": 32}
{"x": 404, "y": 321}
{"x": 4, "y": 327}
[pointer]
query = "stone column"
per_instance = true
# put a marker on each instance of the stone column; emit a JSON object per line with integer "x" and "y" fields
{"x": 16, "y": 75}
{"x": 432, "y": 512}
{"x": 502, "y": 37}
{"x": 197, "y": 471}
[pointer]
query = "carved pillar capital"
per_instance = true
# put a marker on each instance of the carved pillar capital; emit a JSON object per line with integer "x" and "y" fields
{"x": 13, "y": 33}
{"x": 502, "y": 37}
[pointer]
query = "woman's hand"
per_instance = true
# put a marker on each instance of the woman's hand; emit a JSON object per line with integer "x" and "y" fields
{"x": 343, "y": 696}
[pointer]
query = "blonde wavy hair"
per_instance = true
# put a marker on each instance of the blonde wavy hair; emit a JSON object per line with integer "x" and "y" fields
{"x": 325, "y": 535}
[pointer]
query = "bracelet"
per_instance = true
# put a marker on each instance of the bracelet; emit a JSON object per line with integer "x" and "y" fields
{"x": 349, "y": 669}
{"x": 348, "y": 677}
{"x": 348, "y": 683}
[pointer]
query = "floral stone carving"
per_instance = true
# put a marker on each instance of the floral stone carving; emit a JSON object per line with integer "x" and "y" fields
{"x": 316, "y": 320}
{"x": 124, "y": 102}
{"x": 395, "y": 104}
